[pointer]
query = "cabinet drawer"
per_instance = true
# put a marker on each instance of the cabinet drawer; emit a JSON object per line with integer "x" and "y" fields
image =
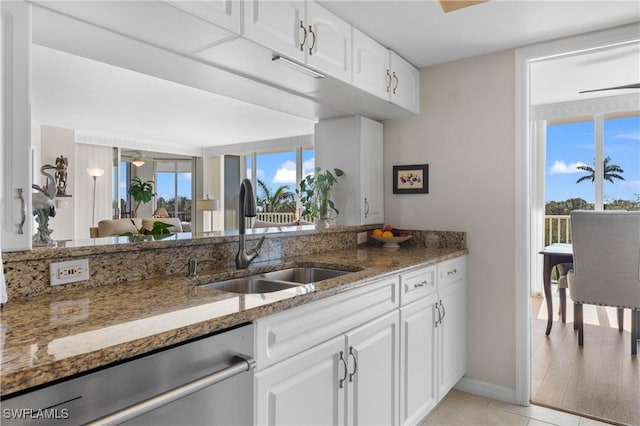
{"x": 451, "y": 271}
{"x": 417, "y": 283}
{"x": 287, "y": 333}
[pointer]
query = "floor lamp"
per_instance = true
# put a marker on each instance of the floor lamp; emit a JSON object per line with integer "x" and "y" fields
{"x": 94, "y": 173}
{"x": 208, "y": 205}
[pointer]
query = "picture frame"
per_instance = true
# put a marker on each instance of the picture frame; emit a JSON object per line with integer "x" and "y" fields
{"x": 411, "y": 179}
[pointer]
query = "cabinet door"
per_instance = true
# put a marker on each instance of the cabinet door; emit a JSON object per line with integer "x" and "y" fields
{"x": 277, "y": 25}
{"x": 371, "y": 169}
{"x": 15, "y": 152}
{"x": 418, "y": 389}
{"x": 328, "y": 43}
{"x": 405, "y": 85}
{"x": 453, "y": 336}
{"x": 373, "y": 391}
{"x": 371, "y": 65}
{"x": 304, "y": 389}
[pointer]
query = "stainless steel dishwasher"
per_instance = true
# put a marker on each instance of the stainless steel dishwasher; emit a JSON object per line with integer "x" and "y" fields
{"x": 208, "y": 381}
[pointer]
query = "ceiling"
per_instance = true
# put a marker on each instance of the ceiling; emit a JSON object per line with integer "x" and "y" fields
{"x": 75, "y": 92}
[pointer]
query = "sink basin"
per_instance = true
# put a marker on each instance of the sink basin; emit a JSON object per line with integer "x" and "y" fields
{"x": 249, "y": 285}
{"x": 304, "y": 275}
{"x": 275, "y": 281}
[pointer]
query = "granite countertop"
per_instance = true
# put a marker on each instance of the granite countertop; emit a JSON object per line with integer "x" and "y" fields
{"x": 54, "y": 336}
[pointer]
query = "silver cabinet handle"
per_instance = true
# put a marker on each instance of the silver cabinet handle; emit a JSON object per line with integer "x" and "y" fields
{"x": 451, "y": 272}
{"x": 444, "y": 312}
{"x": 355, "y": 364}
{"x": 389, "y": 80}
{"x": 437, "y": 307}
{"x": 346, "y": 369}
{"x": 366, "y": 207}
{"x": 313, "y": 43}
{"x": 23, "y": 211}
{"x": 422, "y": 284}
{"x": 304, "y": 38}
{"x": 395, "y": 86}
{"x": 244, "y": 364}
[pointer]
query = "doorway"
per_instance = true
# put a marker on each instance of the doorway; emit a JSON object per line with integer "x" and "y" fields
{"x": 531, "y": 159}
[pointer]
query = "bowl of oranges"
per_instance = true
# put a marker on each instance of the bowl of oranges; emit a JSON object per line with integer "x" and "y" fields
{"x": 390, "y": 237}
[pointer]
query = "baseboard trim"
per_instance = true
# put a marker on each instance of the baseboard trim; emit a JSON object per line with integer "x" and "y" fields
{"x": 488, "y": 390}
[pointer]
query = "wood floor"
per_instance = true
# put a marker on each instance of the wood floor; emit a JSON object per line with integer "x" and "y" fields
{"x": 601, "y": 379}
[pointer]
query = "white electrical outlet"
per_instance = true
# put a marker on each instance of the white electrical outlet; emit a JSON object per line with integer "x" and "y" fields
{"x": 67, "y": 272}
{"x": 362, "y": 237}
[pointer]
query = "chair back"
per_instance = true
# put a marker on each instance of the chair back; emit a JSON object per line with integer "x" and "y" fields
{"x": 606, "y": 258}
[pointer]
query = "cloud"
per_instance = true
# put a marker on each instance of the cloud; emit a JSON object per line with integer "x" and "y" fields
{"x": 560, "y": 168}
{"x": 630, "y": 183}
{"x": 634, "y": 135}
{"x": 308, "y": 166}
{"x": 286, "y": 173}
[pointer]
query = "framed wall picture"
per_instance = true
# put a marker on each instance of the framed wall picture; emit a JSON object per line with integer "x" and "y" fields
{"x": 412, "y": 179}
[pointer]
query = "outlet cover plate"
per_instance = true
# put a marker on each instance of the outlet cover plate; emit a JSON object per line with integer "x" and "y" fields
{"x": 67, "y": 272}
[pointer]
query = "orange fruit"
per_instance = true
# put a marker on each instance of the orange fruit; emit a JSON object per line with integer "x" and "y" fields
{"x": 387, "y": 234}
{"x": 377, "y": 233}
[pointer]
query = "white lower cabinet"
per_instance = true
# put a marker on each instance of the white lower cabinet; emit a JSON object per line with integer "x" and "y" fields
{"x": 386, "y": 353}
{"x": 350, "y": 379}
{"x": 373, "y": 379}
{"x": 452, "y": 336}
{"x": 303, "y": 389}
{"x": 418, "y": 391}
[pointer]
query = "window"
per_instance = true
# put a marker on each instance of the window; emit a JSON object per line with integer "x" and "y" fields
{"x": 173, "y": 188}
{"x": 574, "y": 181}
{"x": 277, "y": 174}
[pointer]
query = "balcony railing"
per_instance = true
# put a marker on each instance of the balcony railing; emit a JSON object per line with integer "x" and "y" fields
{"x": 275, "y": 218}
{"x": 557, "y": 229}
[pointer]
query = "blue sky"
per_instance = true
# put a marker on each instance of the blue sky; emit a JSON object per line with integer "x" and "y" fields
{"x": 571, "y": 145}
{"x": 279, "y": 168}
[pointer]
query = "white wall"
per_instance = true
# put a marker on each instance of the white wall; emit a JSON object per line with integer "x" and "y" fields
{"x": 465, "y": 132}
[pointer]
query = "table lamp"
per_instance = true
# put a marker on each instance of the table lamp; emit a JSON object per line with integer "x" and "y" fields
{"x": 208, "y": 205}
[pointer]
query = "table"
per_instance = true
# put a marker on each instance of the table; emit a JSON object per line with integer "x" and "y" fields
{"x": 553, "y": 255}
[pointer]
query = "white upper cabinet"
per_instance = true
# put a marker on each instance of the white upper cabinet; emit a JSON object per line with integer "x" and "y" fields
{"x": 330, "y": 48}
{"x": 383, "y": 73}
{"x": 370, "y": 65}
{"x": 404, "y": 90}
{"x": 302, "y": 31}
{"x": 15, "y": 151}
{"x": 353, "y": 144}
{"x": 279, "y": 25}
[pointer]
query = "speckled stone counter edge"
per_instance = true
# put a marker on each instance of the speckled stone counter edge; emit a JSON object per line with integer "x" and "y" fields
{"x": 113, "y": 261}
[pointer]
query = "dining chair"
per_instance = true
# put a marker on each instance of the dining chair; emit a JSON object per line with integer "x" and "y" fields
{"x": 562, "y": 269}
{"x": 606, "y": 265}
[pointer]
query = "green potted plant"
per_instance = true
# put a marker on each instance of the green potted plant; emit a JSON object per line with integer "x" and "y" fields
{"x": 141, "y": 191}
{"x": 314, "y": 195}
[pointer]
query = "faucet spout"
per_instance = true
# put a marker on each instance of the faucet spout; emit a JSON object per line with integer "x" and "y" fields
{"x": 246, "y": 208}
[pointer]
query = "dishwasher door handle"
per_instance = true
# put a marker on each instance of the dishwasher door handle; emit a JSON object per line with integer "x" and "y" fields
{"x": 242, "y": 365}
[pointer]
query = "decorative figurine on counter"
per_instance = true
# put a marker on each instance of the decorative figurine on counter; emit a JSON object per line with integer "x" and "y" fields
{"x": 61, "y": 175}
{"x": 43, "y": 207}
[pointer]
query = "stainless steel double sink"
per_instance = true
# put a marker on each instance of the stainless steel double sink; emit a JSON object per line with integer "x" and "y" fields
{"x": 276, "y": 280}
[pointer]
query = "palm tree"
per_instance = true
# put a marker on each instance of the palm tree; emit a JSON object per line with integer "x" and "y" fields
{"x": 280, "y": 200}
{"x": 611, "y": 172}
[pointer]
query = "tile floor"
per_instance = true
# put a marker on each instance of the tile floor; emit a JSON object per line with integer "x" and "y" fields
{"x": 461, "y": 408}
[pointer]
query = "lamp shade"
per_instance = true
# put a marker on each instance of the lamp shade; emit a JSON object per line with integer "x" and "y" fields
{"x": 137, "y": 162}
{"x": 95, "y": 172}
{"x": 208, "y": 205}
{"x": 161, "y": 212}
